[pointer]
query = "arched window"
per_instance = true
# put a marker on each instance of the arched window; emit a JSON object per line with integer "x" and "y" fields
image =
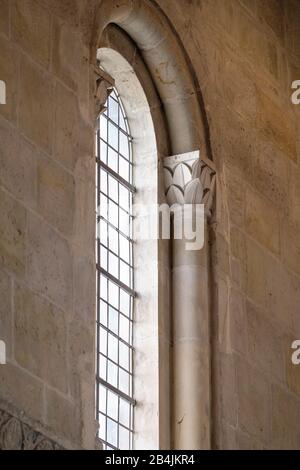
{"x": 115, "y": 285}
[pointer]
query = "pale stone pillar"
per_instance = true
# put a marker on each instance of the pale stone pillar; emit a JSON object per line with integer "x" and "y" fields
{"x": 190, "y": 180}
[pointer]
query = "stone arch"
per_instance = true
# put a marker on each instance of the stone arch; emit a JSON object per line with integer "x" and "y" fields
{"x": 168, "y": 64}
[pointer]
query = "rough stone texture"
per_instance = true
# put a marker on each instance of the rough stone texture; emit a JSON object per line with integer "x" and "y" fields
{"x": 36, "y": 98}
{"x": 245, "y": 55}
{"x": 12, "y": 234}
{"x": 31, "y": 26}
{"x": 55, "y": 195}
{"x": 16, "y": 435}
{"x": 40, "y": 338}
{"x": 9, "y": 73}
{"x": 49, "y": 262}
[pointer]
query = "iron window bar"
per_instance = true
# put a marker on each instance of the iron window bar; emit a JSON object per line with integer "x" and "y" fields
{"x": 116, "y": 281}
{"x": 116, "y": 175}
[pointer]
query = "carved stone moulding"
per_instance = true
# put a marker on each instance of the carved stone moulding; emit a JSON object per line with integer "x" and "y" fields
{"x": 16, "y": 435}
{"x": 190, "y": 180}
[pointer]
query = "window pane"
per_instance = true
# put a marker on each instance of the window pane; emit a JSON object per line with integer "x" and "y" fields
{"x": 124, "y": 302}
{"x": 124, "y": 328}
{"x": 112, "y": 348}
{"x": 124, "y": 413}
{"x": 112, "y": 432}
{"x": 112, "y": 374}
{"x": 113, "y": 320}
{"x": 112, "y": 159}
{"x": 113, "y": 136}
{"x": 124, "y": 355}
{"x": 113, "y": 110}
{"x": 112, "y": 405}
{"x": 114, "y": 253}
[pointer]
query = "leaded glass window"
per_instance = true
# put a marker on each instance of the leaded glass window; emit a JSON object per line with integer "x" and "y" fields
{"x": 115, "y": 283}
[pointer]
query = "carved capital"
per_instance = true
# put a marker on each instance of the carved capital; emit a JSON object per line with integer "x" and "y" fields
{"x": 103, "y": 87}
{"x": 190, "y": 180}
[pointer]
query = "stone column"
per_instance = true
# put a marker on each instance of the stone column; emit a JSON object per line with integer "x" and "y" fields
{"x": 190, "y": 180}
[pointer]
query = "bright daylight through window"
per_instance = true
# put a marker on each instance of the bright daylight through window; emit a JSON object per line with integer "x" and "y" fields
{"x": 115, "y": 285}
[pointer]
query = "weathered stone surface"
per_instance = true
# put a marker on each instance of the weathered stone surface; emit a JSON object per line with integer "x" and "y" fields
{"x": 262, "y": 221}
{"x": 12, "y": 234}
{"x": 282, "y": 132}
{"x": 36, "y": 105}
{"x": 62, "y": 416}
{"x": 9, "y": 74}
{"x": 40, "y": 338}
{"x": 66, "y": 126}
{"x": 294, "y": 198}
{"x": 16, "y": 435}
{"x": 228, "y": 388}
{"x": 265, "y": 342}
{"x": 271, "y": 12}
{"x": 17, "y": 165}
{"x": 254, "y": 407}
{"x": 31, "y": 26}
{"x": 55, "y": 195}
{"x": 69, "y": 61}
{"x": 49, "y": 263}
{"x": 257, "y": 263}
{"x": 285, "y": 420}
{"x": 21, "y": 389}
{"x": 271, "y": 174}
{"x": 291, "y": 247}
{"x": 84, "y": 290}
{"x": 4, "y": 16}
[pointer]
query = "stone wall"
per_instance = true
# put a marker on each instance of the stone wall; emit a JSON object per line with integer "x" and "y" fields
{"x": 245, "y": 54}
{"x": 47, "y": 222}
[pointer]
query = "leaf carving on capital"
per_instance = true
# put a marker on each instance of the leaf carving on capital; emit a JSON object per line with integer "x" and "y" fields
{"x": 189, "y": 180}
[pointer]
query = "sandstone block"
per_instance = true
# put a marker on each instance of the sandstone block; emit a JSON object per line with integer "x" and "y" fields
{"x": 285, "y": 420}
{"x": 291, "y": 247}
{"x": 31, "y": 27}
{"x": 254, "y": 407}
{"x": 36, "y": 105}
{"x": 265, "y": 342}
{"x": 12, "y": 235}
{"x": 49, "y": 263}
{"x": 17, "y": 165}
{"x": 262, "y": 221}
{"x": 22, "y": 391}
{"x": 9, "y": 74}
{"x": 4, "y": 16}
{"x": 40, "y": 338}
{"x": 66, "y": 145}
{"x": 281, "y": 132}
{"x": 55, "y": 195}
{"x": 270, "y": 174}
{"x": 271, "y": 12}
{"x": 70, "y": 62}
{"x": 62, "y": 416}
{"x": 256, "y": 284}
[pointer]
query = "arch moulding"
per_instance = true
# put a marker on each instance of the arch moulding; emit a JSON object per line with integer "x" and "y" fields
{"x": 176, "y": 85}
